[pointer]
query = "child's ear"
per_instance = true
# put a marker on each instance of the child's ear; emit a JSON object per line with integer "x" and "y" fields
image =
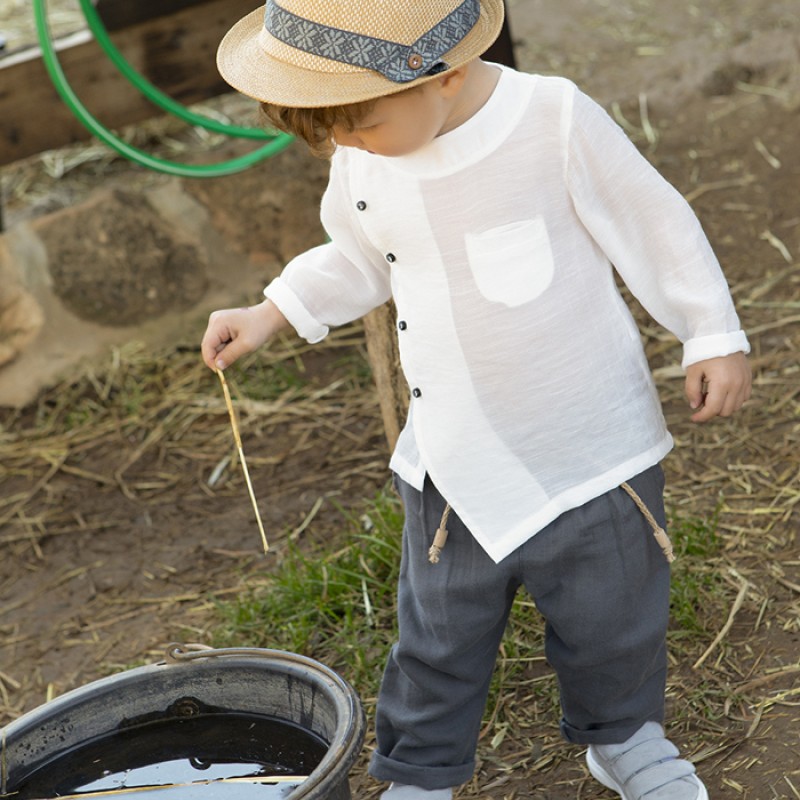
{"x": 450, "y": 83}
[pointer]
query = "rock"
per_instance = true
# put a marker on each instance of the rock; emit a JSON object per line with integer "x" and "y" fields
{"x": 21, "y": 316}
{"x": 113, "y": 260}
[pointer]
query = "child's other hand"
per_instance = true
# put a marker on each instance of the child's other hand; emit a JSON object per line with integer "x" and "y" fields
{"x": 234, "y": 332}
{"x": 718, "y": 387}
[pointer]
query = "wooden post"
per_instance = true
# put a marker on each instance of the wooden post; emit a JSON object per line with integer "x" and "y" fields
{"x": 380, "y": 325}
{"x": 384, "y": 357}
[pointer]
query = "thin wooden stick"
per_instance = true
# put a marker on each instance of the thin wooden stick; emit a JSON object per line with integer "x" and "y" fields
{"x": 123, "y": 790}
{"x": 792, "y": 669}
{"x": 238, "y": 439}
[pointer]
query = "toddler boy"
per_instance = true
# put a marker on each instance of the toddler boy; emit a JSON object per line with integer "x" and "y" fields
{"x": 491, "y": 205}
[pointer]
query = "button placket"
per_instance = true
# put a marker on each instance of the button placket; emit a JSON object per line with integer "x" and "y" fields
{"x": 362, "y": 205}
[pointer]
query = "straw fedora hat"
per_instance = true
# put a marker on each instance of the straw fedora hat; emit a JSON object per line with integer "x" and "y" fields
{"x": 314, "y": 53}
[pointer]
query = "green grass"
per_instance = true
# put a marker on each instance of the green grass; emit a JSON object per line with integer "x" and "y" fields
{"x": 696, "y": 590}
{"x": 338, "y": 606}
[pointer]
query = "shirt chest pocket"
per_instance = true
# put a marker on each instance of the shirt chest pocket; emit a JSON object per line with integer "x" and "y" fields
{"x": 512, "y": 264}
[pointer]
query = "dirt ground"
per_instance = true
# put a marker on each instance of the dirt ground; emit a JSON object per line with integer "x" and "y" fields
{"x": 113, "y": 547}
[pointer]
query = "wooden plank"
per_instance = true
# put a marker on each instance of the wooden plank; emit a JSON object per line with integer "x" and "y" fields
{"x": 176, "y": 53}
{"x": 119, "y": 14}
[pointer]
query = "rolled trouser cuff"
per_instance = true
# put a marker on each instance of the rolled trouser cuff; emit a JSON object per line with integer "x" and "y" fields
{"x": 426, "y": 777}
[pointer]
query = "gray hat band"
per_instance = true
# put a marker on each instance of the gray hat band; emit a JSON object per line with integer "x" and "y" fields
{"x": 398, "y": 62}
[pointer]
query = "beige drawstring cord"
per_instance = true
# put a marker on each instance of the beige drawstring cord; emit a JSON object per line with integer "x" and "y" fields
{"x": 661, "y": 535}
{"x": 440, "y": 538}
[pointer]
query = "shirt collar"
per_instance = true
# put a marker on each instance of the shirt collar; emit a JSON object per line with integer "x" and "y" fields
{"x": 474, "y": 139}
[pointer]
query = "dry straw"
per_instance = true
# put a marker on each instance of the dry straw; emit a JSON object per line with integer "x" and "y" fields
{"x": 237, "y": 437}
{"x": 91, "y": 437}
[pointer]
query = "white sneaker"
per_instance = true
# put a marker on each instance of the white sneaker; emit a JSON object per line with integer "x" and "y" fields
{"x": 646, "y": 767}
{"x": 401, "y": 791}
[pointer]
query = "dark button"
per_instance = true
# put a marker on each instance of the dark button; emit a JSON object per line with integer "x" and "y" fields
{"x": 402, "y": 324}
{"x": 417, "y": 392}
{"x": 391, "y": 258}
{"x": 415, "y": 61}
{"x": 361, "y": 205}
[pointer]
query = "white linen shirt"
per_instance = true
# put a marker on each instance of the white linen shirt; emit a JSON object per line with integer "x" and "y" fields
{"x": 531, "y": 393}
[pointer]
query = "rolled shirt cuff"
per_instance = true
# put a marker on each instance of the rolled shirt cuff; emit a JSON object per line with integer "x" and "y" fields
{"x": 295, "y": 312}
{"x": 716, "y": 346}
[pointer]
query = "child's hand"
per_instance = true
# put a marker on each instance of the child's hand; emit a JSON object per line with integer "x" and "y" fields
{"x": 718, "y": 386}
{"x": 234, "y": 332}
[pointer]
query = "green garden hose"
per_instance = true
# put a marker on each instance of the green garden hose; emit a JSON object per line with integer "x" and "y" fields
{"x": 153, "y": 94}
{"x": 275, "y": 144}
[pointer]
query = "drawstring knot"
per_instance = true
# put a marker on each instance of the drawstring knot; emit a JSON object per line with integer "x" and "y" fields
{"x": 661, "y": 535}
{"x": 440, "y": 538}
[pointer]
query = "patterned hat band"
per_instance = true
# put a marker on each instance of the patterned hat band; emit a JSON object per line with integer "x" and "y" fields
{"x": 399, "y": 63}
